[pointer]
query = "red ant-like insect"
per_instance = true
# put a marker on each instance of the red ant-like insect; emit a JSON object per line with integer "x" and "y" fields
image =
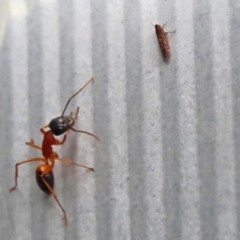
{"x": 44, "y": 173}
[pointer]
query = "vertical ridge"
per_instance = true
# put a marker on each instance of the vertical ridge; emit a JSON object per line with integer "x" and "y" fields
{"x": 19, "y": 70}
{"x": 225, "y": 168}
{"x": 234, "y": 39}
{"x": 152, "y": 120}
{"x": 190, "y": 184}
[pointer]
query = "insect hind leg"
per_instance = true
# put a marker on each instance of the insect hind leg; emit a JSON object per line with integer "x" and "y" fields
{"x": 23, "y": 162}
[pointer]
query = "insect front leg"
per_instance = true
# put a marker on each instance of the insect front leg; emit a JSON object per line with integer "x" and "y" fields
{"x": 32, "y": 144}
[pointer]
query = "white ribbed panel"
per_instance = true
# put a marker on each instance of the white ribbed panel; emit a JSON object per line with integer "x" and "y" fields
{"x": 226, "y": 198}
{"x": 147, "y": 188}
{"x": 152, "y": 122}
{"x": 19, "y": 66}
{"x": 187, "y": 121}
{"x": 117, "y": 94}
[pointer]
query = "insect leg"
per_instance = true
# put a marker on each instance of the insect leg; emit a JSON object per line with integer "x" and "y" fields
{"x": 73, "y": 163}
{"x": 49, "y": 169}
{"x": 42, "y": 131}
{"x": 170, "y": 32}
{"x": 26, "y": 161}
{"x": 57, "y": 142}
{"x": 32, "y": 144}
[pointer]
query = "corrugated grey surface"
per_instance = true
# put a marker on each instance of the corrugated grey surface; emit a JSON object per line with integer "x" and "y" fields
{"x": 168, "y": 166}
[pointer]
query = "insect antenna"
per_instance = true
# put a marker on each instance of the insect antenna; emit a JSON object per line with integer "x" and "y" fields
{"x": 91, "y": 79}
{"x": 86, "y": 133}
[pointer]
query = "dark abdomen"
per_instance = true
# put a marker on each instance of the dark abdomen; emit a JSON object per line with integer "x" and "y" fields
{"x": 49, "y": 178}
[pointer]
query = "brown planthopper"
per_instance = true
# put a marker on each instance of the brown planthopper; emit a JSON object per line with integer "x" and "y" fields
{"x": 163, "y": 41}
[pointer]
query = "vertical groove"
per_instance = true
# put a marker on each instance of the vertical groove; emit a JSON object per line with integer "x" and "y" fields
{"x": 84, "y": 211}
{"x": 206, "y": 119}
{"x": 169, "y": 94}
{"x": 35, "y": 93}
{"x": 67, "y": 88}
{"x": 134, "y": 100}
{"x": 51, "y": 107}
{"x": 101, "y": 115}
{"x": 152, "y": 120}
{"x": 117, "y": 96}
